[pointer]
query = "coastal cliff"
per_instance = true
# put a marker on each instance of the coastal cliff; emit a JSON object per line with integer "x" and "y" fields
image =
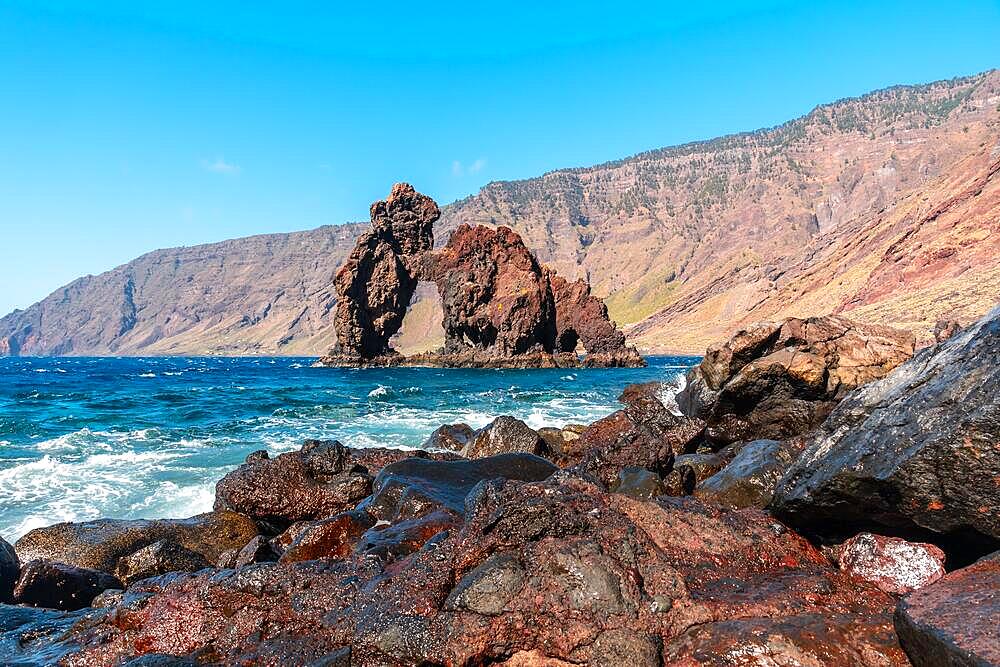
{"x": 881, "y": 207}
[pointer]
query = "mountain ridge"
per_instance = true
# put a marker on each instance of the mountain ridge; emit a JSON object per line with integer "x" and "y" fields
{"x": 663, "y": 235}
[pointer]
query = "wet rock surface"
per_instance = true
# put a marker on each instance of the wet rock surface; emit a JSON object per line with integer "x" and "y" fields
{"x": 749, "y": 479}
{"x": 504, "y": 435}
{"x": 59, "y": 586}
{"x": 893, "y": 564}
{"x": 159, "y": 558}
{"x": 553, "y": 570}
{"x": 914, "y": 454}
{"x": 780, "y": 380}
{"x": 10, "y": 568}
{"x": 101, "y": 544}
{"x": 450, "y": 437}
{"x": 320, "y": 480}
{"x": 954, "y": 621}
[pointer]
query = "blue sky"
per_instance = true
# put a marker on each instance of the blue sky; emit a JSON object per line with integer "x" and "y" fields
{"x": 129, "y": 126}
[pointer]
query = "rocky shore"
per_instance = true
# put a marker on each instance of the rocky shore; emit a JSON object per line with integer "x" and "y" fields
{"x": 502, "y": 308}
{"x": 820, "y": 495}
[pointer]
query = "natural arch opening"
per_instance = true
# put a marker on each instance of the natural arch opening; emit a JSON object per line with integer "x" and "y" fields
{"x": 568, "y": 340}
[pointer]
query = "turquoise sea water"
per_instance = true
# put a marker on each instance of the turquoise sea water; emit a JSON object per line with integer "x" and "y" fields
{"x": 83, "y": 438}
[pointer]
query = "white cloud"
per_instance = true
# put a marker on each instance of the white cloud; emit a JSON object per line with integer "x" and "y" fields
{"x": 458, "y": 169}
{"x": 220, "y": 166}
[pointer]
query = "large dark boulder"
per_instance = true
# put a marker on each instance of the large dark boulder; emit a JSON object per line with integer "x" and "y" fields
{"x": 954, "y": 622}
{"x": 100, "y": 545}
{"x": 10, "y": 568}
{"x": 504, "y": 435}
{"x": 320, "y": 480}
{"x": 914, "y": 454}
{"x": 60, "y": 586}
{"x": 779, "y": 380}
{"x": 749, "y": 479}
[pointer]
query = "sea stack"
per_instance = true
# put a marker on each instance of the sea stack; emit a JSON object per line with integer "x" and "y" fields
{"x": 502, "y": 308}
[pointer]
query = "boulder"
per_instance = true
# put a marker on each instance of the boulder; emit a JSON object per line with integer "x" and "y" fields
{"x": 892, "y": 564}
{"x": 780, "y": 380}
{"x": 159, "y": 558}
{"x": 551, "y": 572}
{"x": 10, "y": 569}
{"x": 449, "y": 437}
{"x": 914, "y": 454}
{"x": 749, "y": 479}
{"x": 945, "y": 329}
{"x": 257, "y": 550}
{"x": 954, "y": 621}
{"x": 695, "y": 468}
{"x": 376, "y": 283}
{"x": 101, "y": 544}
{"x": 320, "y": 480}
{"x": 60, "y": 586}
{"x": 330, "y": 538}
{"x": 504, "y": 435}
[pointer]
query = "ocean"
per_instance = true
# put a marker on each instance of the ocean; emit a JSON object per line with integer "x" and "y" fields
{"x": 84, "y": 438}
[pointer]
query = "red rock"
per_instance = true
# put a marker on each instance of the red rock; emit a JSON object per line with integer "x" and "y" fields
{"x": 893, "y": 564}
{"x": 781, "y": 380}
{"x": 955, "y": 620}
{"x": 504, "y": 435}
{"x": 554, "y": 570}
{"x": 582, "y": 318}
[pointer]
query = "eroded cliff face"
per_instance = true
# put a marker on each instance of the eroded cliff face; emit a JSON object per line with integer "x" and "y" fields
{"x": 881, "y": 207}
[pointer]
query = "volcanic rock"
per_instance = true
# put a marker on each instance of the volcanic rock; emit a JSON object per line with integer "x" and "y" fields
{"x": 504, "y": 435}
{"x": 582, "y": 319}
{"x": 495, "y": 295}
{"x": 159, "y": 558}
{"x": 557, "y": 570}
{"x": 101, "y": 544}
{"x": 893, "y": 564}
{"x": 914, "y": 454}
{"x": 945, "y": 329}
{"x": 780, "y": 380}
{"x": 642, "y": 435}
{"x": 750, "y": 478}
{"x": 320, "y": 480}
{"x": 376, "y": 283}
{"x": 10, "y": 568}
{"x": 60, "y": 586}
{"x": 330, "y": 538}
{"x": 450, "y": 437}
{"x": 954, "y": 621}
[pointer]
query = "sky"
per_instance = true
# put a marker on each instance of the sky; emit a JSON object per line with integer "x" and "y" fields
{"x": 130, "y": 126}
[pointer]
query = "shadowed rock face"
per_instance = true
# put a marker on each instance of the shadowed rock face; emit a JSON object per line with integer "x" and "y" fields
{"x": 914, "y": 453}
{"x": 780, "y": 380}
{"x": 583, "y": 318}
{"x": 376, "y": 283}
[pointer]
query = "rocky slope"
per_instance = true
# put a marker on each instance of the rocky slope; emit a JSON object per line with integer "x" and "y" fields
{"x": 884, "y": 206}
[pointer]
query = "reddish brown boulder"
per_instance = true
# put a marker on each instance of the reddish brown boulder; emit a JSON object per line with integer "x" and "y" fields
{"x": 60, "y": 586}
{"x": 376, "y": 283}
{"x": 159, "y": 558}
{"x": 954, "y": 621}
{"x": 780, "y": 380}
{"x": 893, "y": 564}
{"x": 102, "y": 544}
{"x": 330, "y": 538}
{"x": 449, "y": 437}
